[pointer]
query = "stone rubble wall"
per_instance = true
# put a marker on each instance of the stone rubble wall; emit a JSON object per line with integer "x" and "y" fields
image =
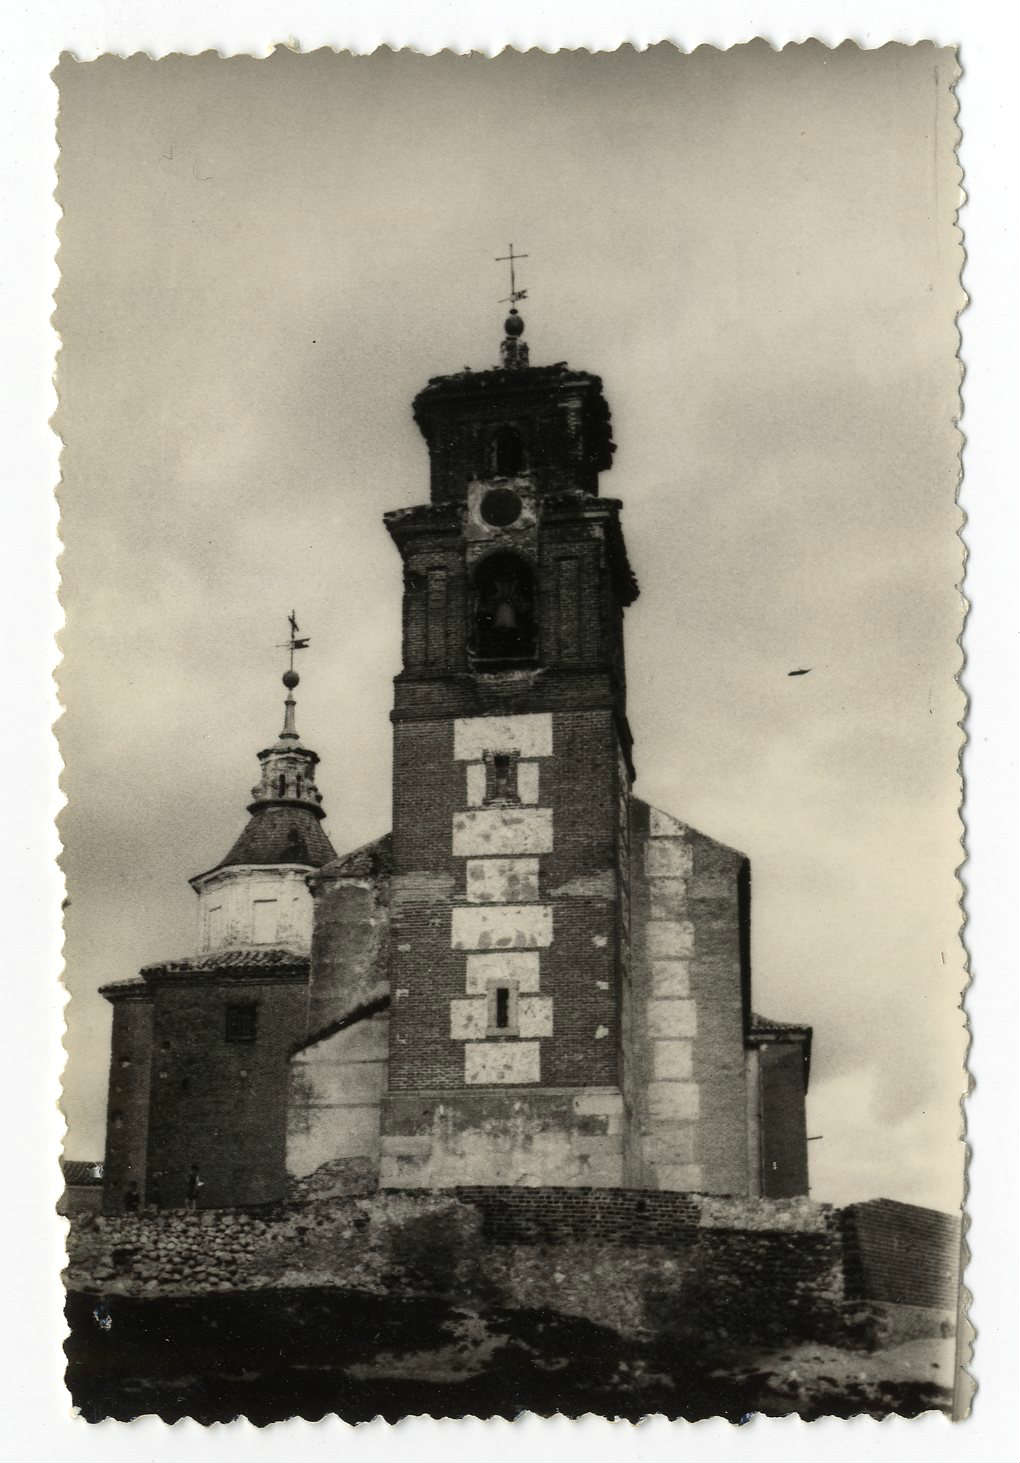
{"x": 666, "y": 1265}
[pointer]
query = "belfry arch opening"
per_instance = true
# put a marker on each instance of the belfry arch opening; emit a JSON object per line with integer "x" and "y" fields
{"x": 508, "y": 455}
{"x": 505, "y": 621}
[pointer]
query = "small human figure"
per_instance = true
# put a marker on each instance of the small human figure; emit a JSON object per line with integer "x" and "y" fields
{"x": 154, "y": 1195}
{"x": 132, "y": 1198}
{"x": 194, "y": 1184}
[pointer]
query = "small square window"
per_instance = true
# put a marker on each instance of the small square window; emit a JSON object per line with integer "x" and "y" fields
{"x": 502, "y": 1013}
{"x": 501, "y": 778}
{"x": 242, "y": 1022}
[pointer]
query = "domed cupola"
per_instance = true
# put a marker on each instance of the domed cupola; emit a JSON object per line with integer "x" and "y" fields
{"x": 257, "y": 895}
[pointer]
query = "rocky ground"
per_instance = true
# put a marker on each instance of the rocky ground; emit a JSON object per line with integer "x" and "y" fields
{"x": 276, "y": 1353}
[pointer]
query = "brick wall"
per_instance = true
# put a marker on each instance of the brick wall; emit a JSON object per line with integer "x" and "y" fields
{"x": 784, "y": 1160}
{"x": 901, "y": 1253}
{"x": 552, "y": 1215}
{"x": 577, "y": 783}
{"x": 127, "y": 1110}
{"x": 219, "y": 1104}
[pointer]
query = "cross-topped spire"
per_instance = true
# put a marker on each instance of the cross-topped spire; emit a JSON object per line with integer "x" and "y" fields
{"x": 290, "y": 675}
{"x": 513, "y": 350}
{"x": 515, "y": 294}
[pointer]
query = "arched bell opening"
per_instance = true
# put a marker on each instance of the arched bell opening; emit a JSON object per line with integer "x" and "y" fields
{"x": 505, "y": 618}
{"x": 507, "y": 454}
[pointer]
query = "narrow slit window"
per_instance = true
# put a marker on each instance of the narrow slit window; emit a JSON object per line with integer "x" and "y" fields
{"x": 502, "y": 1010}
{"x": 501, "y": 777}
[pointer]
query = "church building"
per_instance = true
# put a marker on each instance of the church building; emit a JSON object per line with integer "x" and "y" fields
{"x": 535, "y": 978}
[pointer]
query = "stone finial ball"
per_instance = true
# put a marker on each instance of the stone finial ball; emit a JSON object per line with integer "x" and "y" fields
{"x": 291, "y": 679}
{"x": 513, "y": 324}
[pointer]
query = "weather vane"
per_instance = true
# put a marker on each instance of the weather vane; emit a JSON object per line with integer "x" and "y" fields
{"x": 296, "y": 641}
{"x": 515, "y": 294}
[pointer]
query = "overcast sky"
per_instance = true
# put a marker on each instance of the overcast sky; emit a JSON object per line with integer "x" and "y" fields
{"x": 263, "y": 261}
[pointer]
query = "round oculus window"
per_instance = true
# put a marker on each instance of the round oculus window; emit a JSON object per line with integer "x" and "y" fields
{"x": 501, "y": 507}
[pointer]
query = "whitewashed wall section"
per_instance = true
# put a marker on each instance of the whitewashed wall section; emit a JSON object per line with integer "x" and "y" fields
{"x": 503, "y": 927}
{"x": 671, "y": 1013}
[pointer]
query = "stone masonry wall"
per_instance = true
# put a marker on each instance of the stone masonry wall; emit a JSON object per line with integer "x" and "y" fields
{"x": 350, "y": 939}
{"x": 696, "y": 1279}
{"x": 335, "y": 1097}
{"x": 676, "y": 1265}
{"x": 684, "y": 1082}
{"x": 566, "y": 1136}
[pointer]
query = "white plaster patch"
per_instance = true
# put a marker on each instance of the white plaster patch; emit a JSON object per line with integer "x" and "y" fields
{"x": 535, "y": 1015}
{"x": 601, "y": 1032}
{"x": 501, "y": 927}
{"x": 670, "y": 978}
{"x": 672, "y": 1018}
{"x": 482, "y": 831}
{"x": 671, "y": 1060}
{"x": 661, "y": 825}
{"x": 669, "y": 1142}
{"x": 680, "y": 1178}
{"x": 529, "y": 735}
{"x": 681, "y": 1100}
{"x": 670, "y": 937}
{"x": 527, "y": 782}
{"x": 667, "y": 858}
{"x": 600, "y": 941}
{"x": 668, "y": 898}
{"x": 501, "y": 1063}
{"x": 475, "y": 784}
{"x": 468, "y": 1019}
{"x": 501, "y": 880}
{"x": 503, "y": 967}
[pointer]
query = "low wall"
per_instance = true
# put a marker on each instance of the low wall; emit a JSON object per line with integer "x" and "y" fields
{"x": 672, "y": 1265}
{"x": 901, "y": 1253}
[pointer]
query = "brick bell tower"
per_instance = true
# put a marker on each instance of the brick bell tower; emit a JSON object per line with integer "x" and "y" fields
{"x": 511, "y": 779}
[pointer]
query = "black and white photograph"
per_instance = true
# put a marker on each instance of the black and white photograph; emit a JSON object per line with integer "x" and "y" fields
{"x": 511, "y": 733}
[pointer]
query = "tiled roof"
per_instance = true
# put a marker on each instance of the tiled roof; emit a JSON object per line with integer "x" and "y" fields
{"x": 281, "y": 835}
{"x": 135, "y": 987}
{"x": 767, "y": 1027}
{"x": 82, "y": 1170}
{"x": 763, "y": 1029}
{"x": 269, "y": 958}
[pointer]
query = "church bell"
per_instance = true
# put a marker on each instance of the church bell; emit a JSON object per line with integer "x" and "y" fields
{"x": 505, "y": 617}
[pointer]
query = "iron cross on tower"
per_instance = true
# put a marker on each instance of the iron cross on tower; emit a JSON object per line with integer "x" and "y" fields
{"x": 511, "y": 259}
{"x": 296, "y": 641}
